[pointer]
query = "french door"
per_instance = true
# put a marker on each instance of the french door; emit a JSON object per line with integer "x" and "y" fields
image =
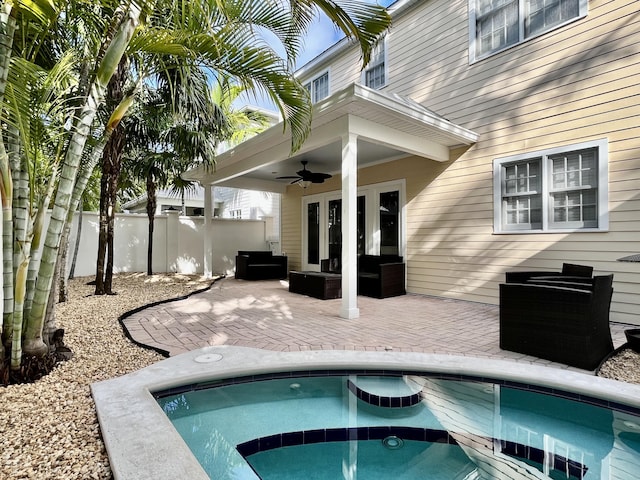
{"x": 379, "y": 225}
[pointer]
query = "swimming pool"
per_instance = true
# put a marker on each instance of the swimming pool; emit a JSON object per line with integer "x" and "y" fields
{"x": 371, "y": 425}
{"x": 365, "y": 415}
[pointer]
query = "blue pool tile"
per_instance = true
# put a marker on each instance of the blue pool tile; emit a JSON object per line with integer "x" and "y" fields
{"x": 314, "y": 436}
{"x": 290, "y": 439}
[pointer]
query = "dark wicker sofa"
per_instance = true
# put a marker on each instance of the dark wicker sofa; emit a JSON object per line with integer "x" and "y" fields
{"x": 562, "y": 318}
{"x": 260, "y": 265}
{"x": 381, "y": 276}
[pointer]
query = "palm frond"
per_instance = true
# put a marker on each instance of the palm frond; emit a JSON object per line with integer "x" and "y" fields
{"x": 44, "y": 11}
{"x": 363, "y": 22}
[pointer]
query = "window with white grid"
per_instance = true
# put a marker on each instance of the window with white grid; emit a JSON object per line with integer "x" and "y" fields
{"x": 318, "y": 88}
{"x": 574, "y": 189}
{"x": 321, "y": 87}
{"x": 498, "y": 24}
{"x": 563, "y": 188}
{"x": 375, "y": 75}
{"x": 522, "y": 194}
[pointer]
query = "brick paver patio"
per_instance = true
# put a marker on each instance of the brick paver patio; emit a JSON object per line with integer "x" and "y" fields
{"x": 263, "y": 314}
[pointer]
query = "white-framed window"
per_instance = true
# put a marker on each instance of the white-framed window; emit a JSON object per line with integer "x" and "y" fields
{"x": 237, "y": 213}
{"x": 559, "y": 189}
{"x": 318, "y": 88}
{"x": 495, "y": 25}
{"x": 375, "y": 75}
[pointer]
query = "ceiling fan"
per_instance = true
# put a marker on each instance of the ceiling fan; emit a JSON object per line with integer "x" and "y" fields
{"x": 305, "y": 175}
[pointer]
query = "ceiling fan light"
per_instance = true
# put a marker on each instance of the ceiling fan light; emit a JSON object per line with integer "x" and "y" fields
{"x": 304, "y": 183}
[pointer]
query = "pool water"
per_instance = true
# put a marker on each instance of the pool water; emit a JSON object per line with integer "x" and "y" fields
{"x": 369, "y": 457}
{"x": 399, "y": 426}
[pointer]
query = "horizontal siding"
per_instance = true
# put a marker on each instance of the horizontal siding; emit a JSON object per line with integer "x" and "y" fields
{"x": 574, "y": 84}
{"x": 291, "y": 239}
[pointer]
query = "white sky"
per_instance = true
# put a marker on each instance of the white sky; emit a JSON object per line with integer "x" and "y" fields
{"x": 322, "y": 34}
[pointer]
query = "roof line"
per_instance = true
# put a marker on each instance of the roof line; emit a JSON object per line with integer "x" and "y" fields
{"x": 395, "y": 9}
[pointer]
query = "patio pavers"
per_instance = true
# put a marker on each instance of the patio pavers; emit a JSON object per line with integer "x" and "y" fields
{"x": 263, "y": 314}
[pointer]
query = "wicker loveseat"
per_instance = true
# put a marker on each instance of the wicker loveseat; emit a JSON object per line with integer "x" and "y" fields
{"x": 559, "y": 317}
{"x": 381, "y": 276}
{"x": 260, "y": 265}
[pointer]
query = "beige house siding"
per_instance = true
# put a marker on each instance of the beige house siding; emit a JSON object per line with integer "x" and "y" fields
{"x": 574, "y": 84}
{"x": 290, "y": 221}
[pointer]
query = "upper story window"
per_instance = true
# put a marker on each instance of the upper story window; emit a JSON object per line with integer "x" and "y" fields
{"x": 375, "y": 75}
{"x": 564, "y": 188}
{"x": 318, "y": 88}
{"x": 498, "y": 24}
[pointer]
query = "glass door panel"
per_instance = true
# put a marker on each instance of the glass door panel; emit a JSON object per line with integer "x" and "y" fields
{"x": 362, "y": 225}
{"x": 313, "y": 233}
{"x": 389, "y": 223}
{"x": 335, "y": 235}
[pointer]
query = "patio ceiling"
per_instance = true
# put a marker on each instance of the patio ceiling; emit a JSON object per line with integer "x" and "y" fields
{"x": 387, "y": 126}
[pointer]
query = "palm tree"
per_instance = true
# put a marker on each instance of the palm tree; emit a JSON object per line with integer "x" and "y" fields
{"x": 233, "y": 50}
{"x": 167, "y": 136}
{"x": 33, "y": 96}
{"x": 243, "y": 123}
{"x": 218, "y": 36}
{"x": 111, "y": 165}
{"x": 175, "y": 127}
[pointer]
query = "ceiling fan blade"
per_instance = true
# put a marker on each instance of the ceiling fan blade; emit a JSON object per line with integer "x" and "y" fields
{"x": 319, "y": 177}
{"x": 306, "y": 175}
{"x": 289, "y": 177}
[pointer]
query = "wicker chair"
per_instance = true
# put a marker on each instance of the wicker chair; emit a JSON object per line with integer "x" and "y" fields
{"x": 381, "y": 276}
{"x": 562, "y": 318}
{"x": 568, "y": 270}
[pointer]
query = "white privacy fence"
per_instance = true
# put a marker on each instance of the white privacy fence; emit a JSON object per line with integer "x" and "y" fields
{"x": 178, "y": 243}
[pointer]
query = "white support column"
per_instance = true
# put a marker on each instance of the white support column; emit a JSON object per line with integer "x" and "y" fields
{"x": 208, "y": 234}
{"x": 349, "y": 227}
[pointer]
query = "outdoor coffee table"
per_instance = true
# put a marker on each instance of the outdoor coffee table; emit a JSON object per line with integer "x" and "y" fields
{"x": 320, "y": 285}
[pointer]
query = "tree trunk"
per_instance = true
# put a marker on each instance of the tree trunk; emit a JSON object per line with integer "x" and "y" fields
{"x": 151, "y": 213}
{"x": 6, "y": 189}
{"x": 50, "y": 317}
{"x": 102, "y": 228}
{"x": 72, "y": 269}
{"x": 119, "y": 137}
{"x": 7, "y": 29}
{"x": 18, "y": 317}
{"x": 33, "y": 342}
{"x": 111, "y": 167}
{"x": 36, "y": 243}
{"x": 21, "y": 258}
{"x": 61, "y": 263}
{"x": 108, "y": 274}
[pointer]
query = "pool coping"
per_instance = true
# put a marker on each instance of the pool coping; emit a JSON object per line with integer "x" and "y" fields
{"x": 142, "y": 443}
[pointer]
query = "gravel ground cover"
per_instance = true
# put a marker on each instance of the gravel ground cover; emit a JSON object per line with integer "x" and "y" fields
{"x": 623, "y": 366}
{"x": 49, "y": 429}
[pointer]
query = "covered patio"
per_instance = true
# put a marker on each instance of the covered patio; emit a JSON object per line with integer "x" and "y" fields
{"x": 354, "y": 129}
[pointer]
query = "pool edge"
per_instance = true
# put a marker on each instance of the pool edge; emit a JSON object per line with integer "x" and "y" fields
{"x": 142, "y": 443}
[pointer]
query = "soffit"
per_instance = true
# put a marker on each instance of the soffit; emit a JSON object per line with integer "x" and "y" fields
{"x": 387, "y": 126}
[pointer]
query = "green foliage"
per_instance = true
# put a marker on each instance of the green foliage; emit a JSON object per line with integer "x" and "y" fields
{"x": 56, "y": 59}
